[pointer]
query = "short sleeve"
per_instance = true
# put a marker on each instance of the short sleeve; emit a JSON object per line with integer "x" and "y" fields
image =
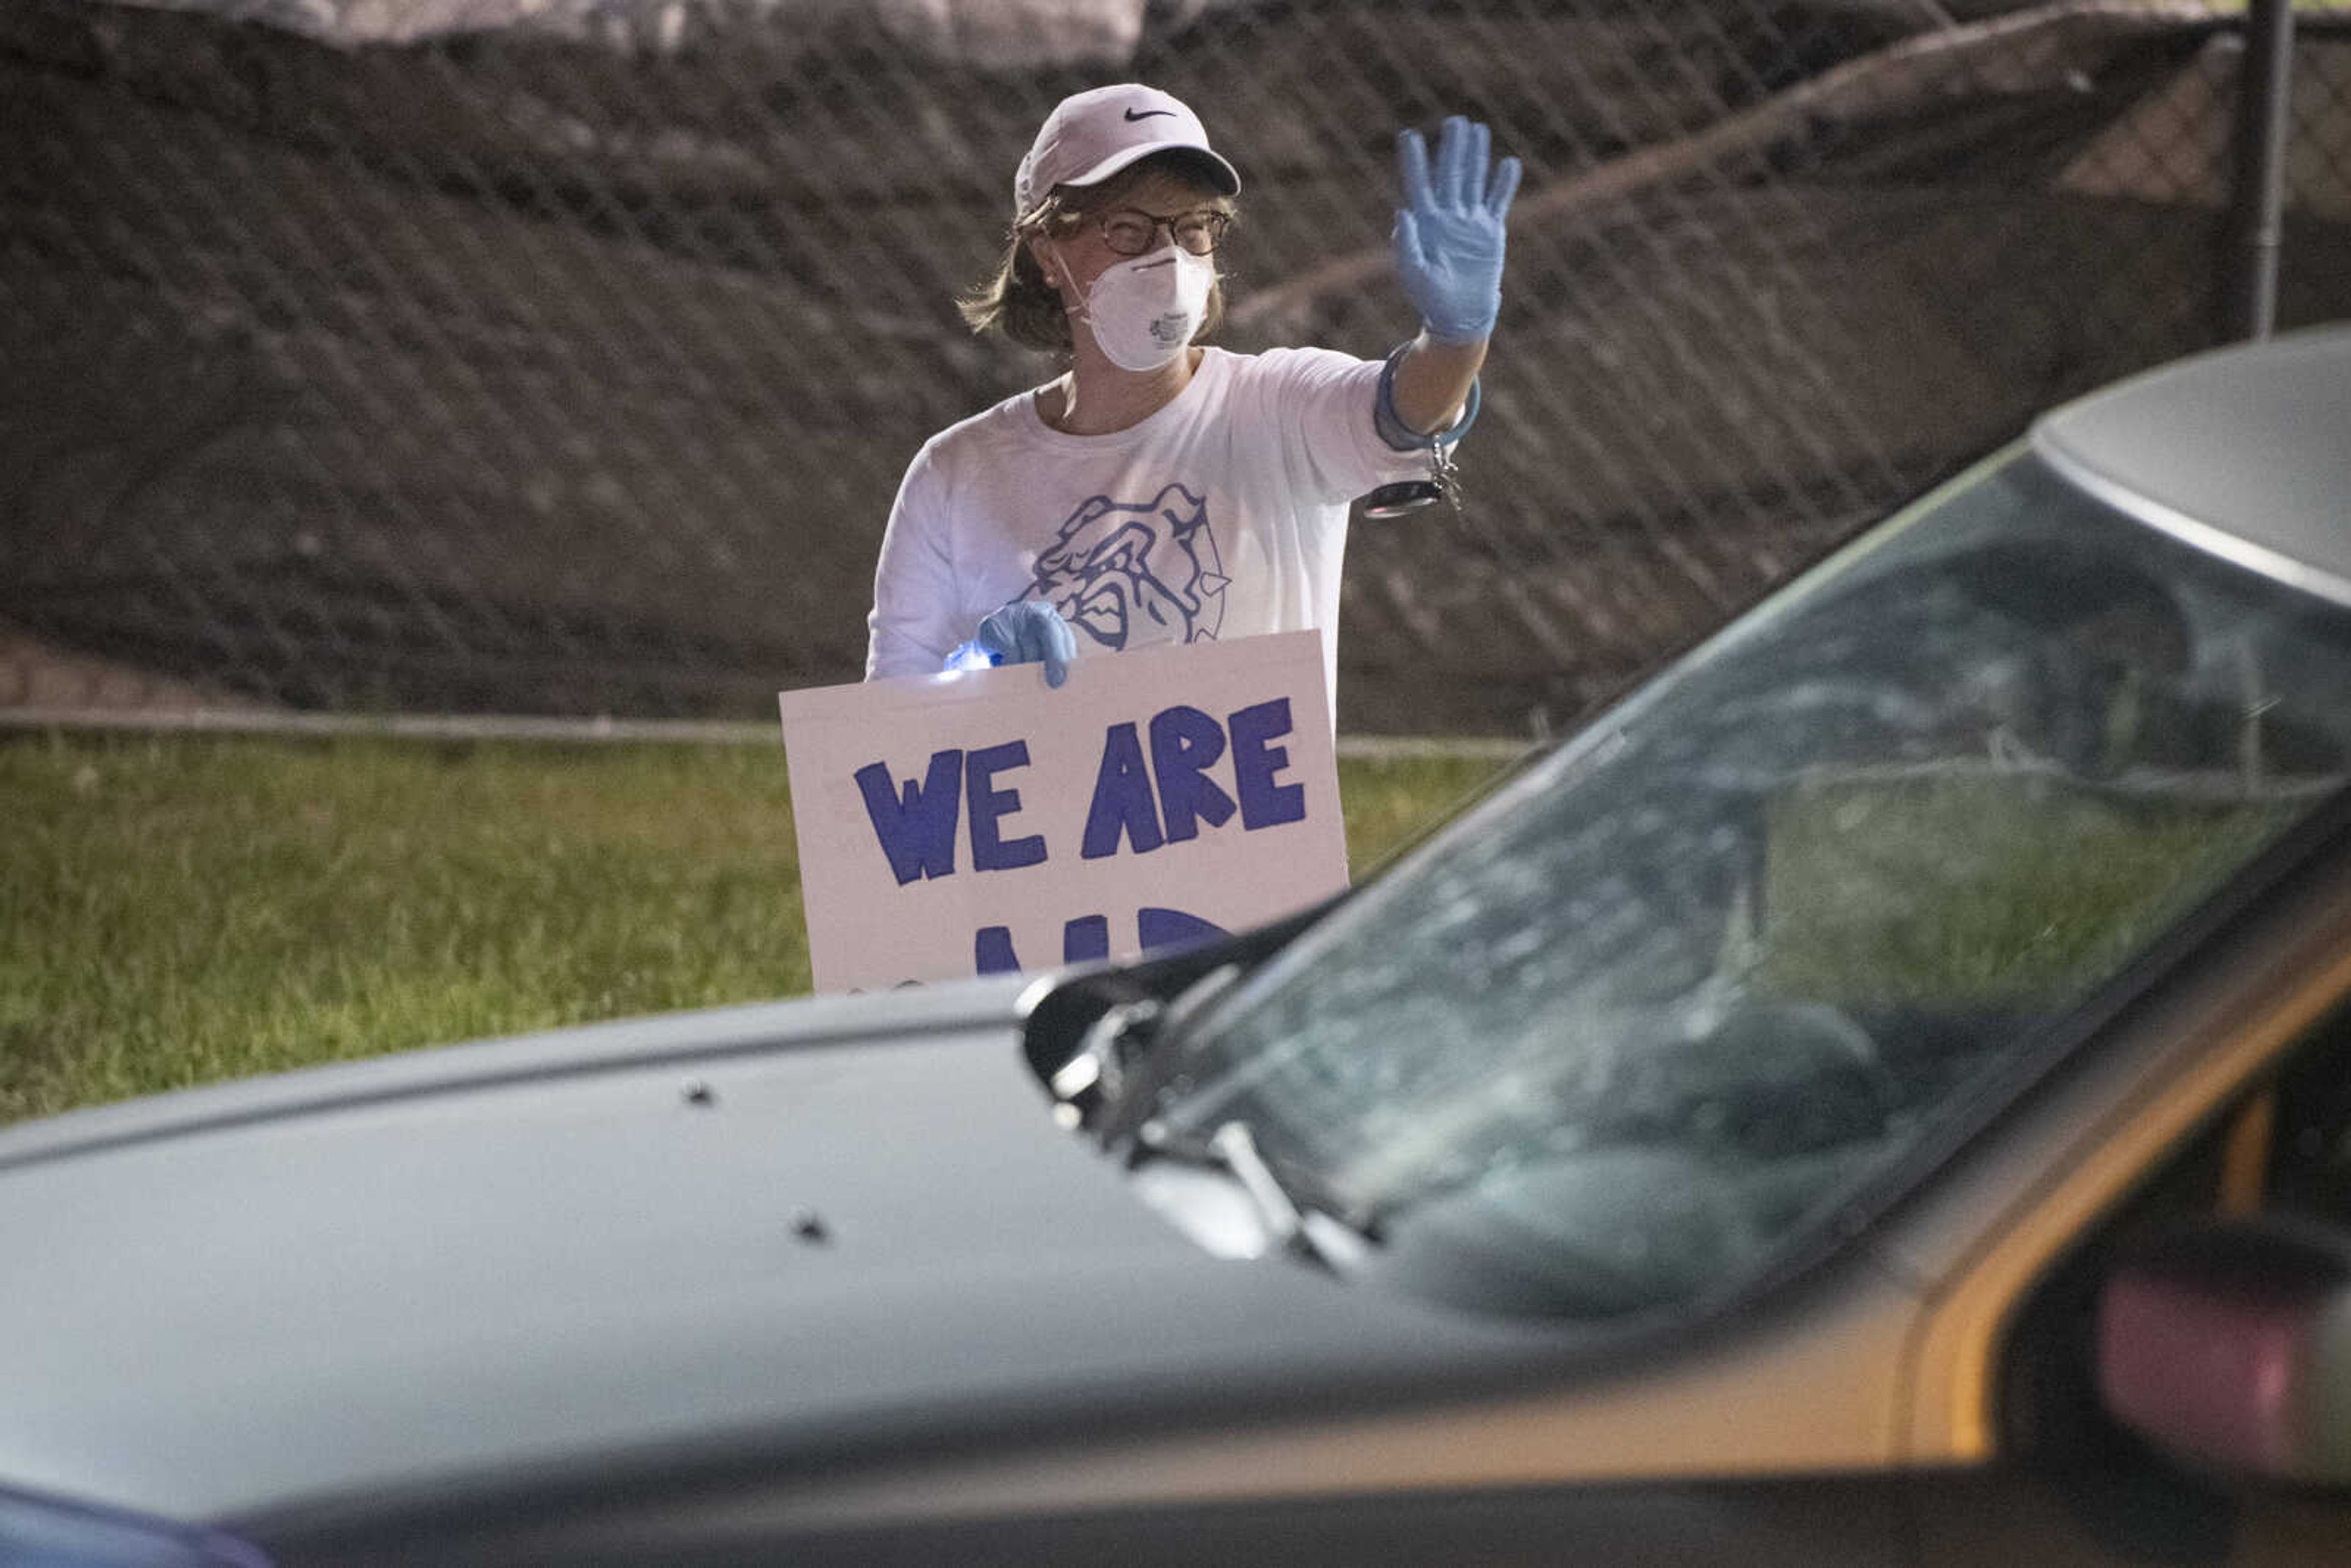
{"x": 1323, "y": 401}
{"x": 913, "y": 624}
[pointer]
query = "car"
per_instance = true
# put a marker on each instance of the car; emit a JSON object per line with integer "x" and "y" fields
{"x": 1879, "y": 1092}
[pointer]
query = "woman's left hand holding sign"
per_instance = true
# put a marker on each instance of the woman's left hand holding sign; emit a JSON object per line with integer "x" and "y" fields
{"x": 1027, "y": 632}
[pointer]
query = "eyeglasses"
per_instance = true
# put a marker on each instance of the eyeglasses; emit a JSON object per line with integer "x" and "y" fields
{"x": 1131, "y": 232}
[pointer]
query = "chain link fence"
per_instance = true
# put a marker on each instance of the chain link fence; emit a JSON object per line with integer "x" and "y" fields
{"x": 562, "y": 356}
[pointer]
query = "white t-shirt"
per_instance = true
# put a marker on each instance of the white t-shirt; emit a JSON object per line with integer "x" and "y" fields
{"x": 1223, "y": 515}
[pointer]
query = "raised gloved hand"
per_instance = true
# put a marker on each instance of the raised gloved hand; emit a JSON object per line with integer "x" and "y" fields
{"x": 1026, "y": 633}
{"x": 1450, "y": 231}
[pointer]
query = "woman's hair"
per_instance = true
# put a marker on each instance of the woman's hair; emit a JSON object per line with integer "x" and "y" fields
{"x": 1018, "y": 300}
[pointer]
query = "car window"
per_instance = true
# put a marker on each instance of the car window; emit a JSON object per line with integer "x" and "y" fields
{"x": 2309, "y": 1167}
{"x": 1608, "y": 1041}
{"x": 2078, "y": 1483}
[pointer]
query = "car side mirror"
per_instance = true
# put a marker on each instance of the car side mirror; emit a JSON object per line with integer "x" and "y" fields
{"x": 2227, "y": 1346}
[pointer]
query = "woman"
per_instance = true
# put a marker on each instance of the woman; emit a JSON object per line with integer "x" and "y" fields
{"x": 1160, "y": 491}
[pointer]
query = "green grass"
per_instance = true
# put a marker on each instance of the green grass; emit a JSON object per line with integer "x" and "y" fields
{"x": 1983, "y": 891}
{"x": 185, "y": 909}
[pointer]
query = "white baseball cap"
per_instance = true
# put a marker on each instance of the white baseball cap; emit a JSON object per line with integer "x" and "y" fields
{"x": 1091, "y": 135}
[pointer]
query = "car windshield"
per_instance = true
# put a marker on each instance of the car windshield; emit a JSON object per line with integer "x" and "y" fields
{"x": 1618, "y": 1035}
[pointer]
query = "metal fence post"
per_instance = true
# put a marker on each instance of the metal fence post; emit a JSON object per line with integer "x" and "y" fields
{"x": 2250, "y": 271}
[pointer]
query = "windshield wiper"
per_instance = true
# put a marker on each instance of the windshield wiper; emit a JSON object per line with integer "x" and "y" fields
{"x": 1311, "y": 1230}
{"x": 1117, "y": 1012}
{"x": 1152, "y": 1052}
{"x": 1113, "y": 1067}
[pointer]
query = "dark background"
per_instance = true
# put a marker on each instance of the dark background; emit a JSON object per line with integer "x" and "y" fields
{"x": 566, "y": 365}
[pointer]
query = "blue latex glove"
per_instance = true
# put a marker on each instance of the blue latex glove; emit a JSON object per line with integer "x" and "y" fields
{"x": 1027, "y": 632}
{"x": 1448, "y": 233}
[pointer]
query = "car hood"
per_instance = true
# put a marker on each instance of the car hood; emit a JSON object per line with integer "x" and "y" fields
{"x": 808, "y": 1225}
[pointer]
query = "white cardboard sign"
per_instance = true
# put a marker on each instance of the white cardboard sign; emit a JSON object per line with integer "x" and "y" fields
{"x": 959, "y": 824}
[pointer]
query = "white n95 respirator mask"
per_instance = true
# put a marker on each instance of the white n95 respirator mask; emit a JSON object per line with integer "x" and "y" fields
{"x": 1144, "y": 311}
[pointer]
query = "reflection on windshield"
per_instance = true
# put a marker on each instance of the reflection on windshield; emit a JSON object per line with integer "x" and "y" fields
{"x": 1610, "y": 1039}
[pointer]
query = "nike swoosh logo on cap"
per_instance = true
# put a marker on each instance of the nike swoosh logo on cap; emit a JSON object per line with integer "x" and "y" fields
{"x": 1134, "y": 114}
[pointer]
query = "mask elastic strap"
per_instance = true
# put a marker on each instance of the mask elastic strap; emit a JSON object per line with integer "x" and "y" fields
{"x": 1076, "y": 312}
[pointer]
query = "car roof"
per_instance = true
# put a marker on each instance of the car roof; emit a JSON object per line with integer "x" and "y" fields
{"x": 2244, "y": 452}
